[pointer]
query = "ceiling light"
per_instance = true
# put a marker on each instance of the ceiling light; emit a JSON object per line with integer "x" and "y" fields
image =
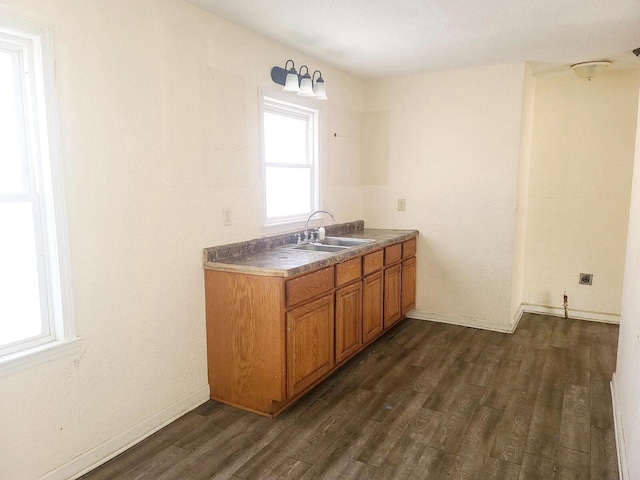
{"x": 590, "y": 70}
{"x": 303, "y": 85}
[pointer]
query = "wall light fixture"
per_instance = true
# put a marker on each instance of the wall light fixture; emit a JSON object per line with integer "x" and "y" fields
{"x": 304, "y": 85}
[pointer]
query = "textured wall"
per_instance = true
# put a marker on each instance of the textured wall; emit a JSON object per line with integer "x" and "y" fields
{"x": 453, "y": 154}
{"x": 522, "y": 207}
{"x": 159, "y": 130}
{"x": 581, "y": 167}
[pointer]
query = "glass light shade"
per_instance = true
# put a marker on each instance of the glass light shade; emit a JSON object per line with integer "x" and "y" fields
{"x": 306, "y": 88}
{"x": 590, "y": 69}
{"x": 291, "y": 82}
{"x": 319, "y": 91}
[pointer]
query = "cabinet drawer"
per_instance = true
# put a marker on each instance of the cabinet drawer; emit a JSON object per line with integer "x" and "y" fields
{"x": 409, "y": 248}
{"x": 373, "y": 262}
{"x": 348, "y": 271}
{"x": 309, "y": 286}
{"x": 392, "y": 254}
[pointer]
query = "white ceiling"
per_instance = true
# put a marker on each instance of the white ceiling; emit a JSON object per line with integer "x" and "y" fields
{"x": 382, "y": 38}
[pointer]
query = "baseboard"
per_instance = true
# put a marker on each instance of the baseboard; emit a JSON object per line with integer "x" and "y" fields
{"x": 573, "y": 313}
{"x": 461, "y": 320}
{"x": 516, "y": 318}
{"x": 623, "y": 467}
{"x": 114, "y": 446}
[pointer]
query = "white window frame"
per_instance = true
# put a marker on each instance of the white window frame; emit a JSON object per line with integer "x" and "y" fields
{"x": 280, "y": 103}
{"x": 33, "y": 46}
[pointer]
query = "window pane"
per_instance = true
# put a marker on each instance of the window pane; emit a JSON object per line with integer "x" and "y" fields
{"x": 285, "y": 139}
{"x": 288, "y": 191}
{"x": 19, "y": 292}
{"x": 11, "y": 174}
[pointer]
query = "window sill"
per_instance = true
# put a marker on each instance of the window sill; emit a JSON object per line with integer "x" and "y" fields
{"x": 31, "y": 357}
{"x": 293, "y": 226}
{"x": 283, "y": 227}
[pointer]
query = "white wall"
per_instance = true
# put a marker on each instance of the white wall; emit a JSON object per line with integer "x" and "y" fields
{"x": 453, "y": 154}
{"x": 627, "y": 376}
{"x": 581, "y": 166}
{"x": 159, "y": 132}
{"x": 522, "y": 207}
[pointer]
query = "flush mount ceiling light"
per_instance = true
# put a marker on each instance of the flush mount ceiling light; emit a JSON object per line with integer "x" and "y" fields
{"x": 295, "y": 82}
{"x": 590, "y": 70}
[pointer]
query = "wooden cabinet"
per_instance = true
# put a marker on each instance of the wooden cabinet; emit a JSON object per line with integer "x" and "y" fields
{"x": 348, "y": 321}
{"x": 372, "y": 307}
{"x": 309, "y": 344}
{"x": 408, "y": 285}
{"x": 270, "y": 339}
{"x": 392, "y": 289}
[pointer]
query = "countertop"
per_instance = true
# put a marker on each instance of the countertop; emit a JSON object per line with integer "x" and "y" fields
{"x": 271, "y": 256}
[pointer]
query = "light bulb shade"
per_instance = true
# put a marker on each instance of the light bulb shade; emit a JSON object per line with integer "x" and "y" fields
{"x": 291, "y": 83}
{"x": 306, "y": 88}
{"x": 590, "y": 69}
{"x": 319, "y": 90}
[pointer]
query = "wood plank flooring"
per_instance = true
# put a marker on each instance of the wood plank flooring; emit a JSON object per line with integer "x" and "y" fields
{"x": 427, "y": 400}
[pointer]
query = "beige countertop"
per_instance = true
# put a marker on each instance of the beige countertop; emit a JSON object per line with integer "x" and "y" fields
{"x": 273, "y": 255}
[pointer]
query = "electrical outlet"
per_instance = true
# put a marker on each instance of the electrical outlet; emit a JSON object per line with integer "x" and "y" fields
{"x": 402, "y": 204}
{"x": 226, "y": 217}
{"x": 586, "y": 279}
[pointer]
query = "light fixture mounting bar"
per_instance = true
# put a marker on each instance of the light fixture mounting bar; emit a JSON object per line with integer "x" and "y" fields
{"x": 279, "y": 75}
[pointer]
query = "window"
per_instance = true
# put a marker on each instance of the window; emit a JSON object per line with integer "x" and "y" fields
{"x": 290, "y": 160}
{"x": 32, "y": 308}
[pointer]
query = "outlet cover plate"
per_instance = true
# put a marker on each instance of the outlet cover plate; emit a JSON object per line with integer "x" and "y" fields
{"x": 586, "y": 279}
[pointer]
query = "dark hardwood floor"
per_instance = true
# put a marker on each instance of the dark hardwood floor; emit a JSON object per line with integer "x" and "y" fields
{"x": 427, "y": 400}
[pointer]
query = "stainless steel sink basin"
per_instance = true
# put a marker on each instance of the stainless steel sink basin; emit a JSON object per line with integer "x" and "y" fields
{"x": 319, "y": 248}
{"x": 345, "y": 241}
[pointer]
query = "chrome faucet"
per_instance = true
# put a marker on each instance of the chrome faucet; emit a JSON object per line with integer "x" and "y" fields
{"x": 306, "y": 224}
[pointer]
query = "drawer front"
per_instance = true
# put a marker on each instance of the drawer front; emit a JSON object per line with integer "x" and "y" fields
{"x": 309, "y": 286}
{"x": 348, "y": 271}
{"x": 393, "y": 254}
{"x": 409, "y": 248}
{"x": 373, "y": 262}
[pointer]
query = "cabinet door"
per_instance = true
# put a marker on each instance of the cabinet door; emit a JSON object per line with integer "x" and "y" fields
{"x": 392, "y": 311}
{"x": 309, "y": 344}
{"x": 408, "y": 285}
{"x": 372, "y": 313}
{"x": 348, "y": 320}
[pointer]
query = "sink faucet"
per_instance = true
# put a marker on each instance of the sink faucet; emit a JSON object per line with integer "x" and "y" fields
{"x": 306, "y": 224}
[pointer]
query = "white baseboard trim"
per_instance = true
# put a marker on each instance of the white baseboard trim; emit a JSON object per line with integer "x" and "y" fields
{"x": 623, "y": 466}
{"x": 516, "y": 318}
{"x": 461, "y": 320}
{"x": 100, "y": 454}
{"x": 573, "y": 313}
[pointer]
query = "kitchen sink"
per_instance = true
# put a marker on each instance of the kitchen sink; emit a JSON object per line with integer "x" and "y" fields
{"x": 345, "y": 241}
{"x": 319, "y": 248}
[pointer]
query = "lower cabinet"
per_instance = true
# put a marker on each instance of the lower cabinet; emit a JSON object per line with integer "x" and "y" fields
{"x": 408, "y": 285}
{"x": 309, "y": 343}
{"x": 392, "y": 307}
{"x": 348, "y": 320}
{"x": 270, "y": 339}
{"x": 372, "y": 313}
